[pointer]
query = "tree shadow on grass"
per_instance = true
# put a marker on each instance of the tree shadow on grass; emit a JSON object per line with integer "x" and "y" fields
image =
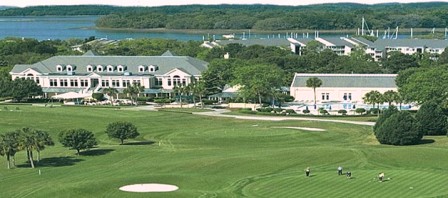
{"x": 139, "y": 143}
{"x": 426, "y": 141}
{"x": 96, "y": 152}
{"x": 53, "y": 162}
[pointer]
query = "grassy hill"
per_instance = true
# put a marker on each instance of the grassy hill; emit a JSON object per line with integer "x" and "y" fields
{"x": 219, "y": 157}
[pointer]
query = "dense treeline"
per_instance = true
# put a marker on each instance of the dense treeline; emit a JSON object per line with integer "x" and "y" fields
{"x": 269, "y": 17}
{"x": 259, "y": 17}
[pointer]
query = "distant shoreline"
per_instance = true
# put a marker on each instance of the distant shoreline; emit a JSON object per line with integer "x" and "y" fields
{"x": 240, "y": 31}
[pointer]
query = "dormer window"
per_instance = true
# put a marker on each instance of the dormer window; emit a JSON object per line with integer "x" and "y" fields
{"x": 110, "y": 68}
{"x": 70, "y": 68}
{"x": 141, "y": 68}
{"x": 90, "y": 68}
{"x": 99, "y": 68}
{"x": 59, "y": 68}
{"x": 121, "y": 68}
{"x": 153, "y": 68}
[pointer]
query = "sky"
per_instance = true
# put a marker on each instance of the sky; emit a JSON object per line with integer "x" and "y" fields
{"x": 24, "y": 3}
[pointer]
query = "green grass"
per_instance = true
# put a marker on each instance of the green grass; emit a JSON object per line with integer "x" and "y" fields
{"x": 219, "y": 157}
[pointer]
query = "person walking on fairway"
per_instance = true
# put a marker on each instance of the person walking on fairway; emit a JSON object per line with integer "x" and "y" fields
{"x": 381, "y": 176}
{"x": 307, "y": 171}
{"x": 340, "y": 170}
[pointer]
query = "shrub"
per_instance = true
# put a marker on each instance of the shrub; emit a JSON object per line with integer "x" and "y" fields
{"x": 399, "y": 129}
{"x": 290, "y": 111}
{"x": 209, "y": 102}
{"x": 374, "y": 111}
{"x": 98, "y": 96}
{"x": 323, "y": 111}
{"x": 343, "y": 112}
{"x": 432, "y": 119}
{"x": 306, "y": 111}
{"x": 360, "y": 110}
{"x": 383, "y": 117}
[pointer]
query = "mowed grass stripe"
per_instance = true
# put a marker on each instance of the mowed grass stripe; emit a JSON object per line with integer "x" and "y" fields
{"x": 220, "y": 157}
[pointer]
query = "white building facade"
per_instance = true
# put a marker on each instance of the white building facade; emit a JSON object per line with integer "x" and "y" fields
{"x": 90, "y": 73}
{"x": 343, "y": 91}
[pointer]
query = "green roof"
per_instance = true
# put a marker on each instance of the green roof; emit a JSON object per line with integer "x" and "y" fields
{"x": 348, "y": 80}
{"x": 164, "y": 64}
{"x": 381, "y": 44}
{"x": 262, "y": 42}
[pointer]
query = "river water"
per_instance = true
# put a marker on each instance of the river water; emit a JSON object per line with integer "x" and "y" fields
{"x": 65, "y": 27}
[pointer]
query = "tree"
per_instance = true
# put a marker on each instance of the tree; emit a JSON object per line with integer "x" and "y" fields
{"x": 426, "y": 85}
{"x": 122, "y": 130}
{"x": 314, "y": 82}
{"x": 110, "y": 91}
{"x": 9, "y": 146}
{"x": 24, "y": 88}
{"x": 197, "y": 88}
{"x": 383, "y": 117}
{"x": 42, "y": 139}
{"x": 399, "y": 129}
{"x": 390, "y": 96}
{"x": 373, "y": 97}
{"x": 77, "y": 139}
{"x": 443, "y": 58}
{"x": 432, "y": 119}
{"x": 398, "y": 61}
{"x": 257, "y": 80}
{"x": 133, "y": 90}
{"x": 28, "y": 142}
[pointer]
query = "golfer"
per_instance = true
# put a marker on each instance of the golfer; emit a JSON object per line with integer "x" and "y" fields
{"x": 381, "y": 176}
{"x": 340, "y": 170}
{"x": 307, "y": 171}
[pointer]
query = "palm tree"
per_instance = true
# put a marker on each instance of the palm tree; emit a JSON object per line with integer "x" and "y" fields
{"x": 28, "y": 143}
{"x": 390, "y": 96}
{"x": 135, "y": 89}
{"x": 374, "y": 97}
{"x": 9, "y": 146}
{"x": 314, "y": 82}
{"x": 110, "y": 91}
{"x": 180, "y": 91}
{"x": 42, "y": 139}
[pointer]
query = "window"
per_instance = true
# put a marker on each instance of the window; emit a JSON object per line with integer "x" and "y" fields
{"x": 153, "y": 68}
{"x": 53, "y": 82}
{"x": 69, "y": 68}
{"x": 37, "y": 80}
{"x": 126, "y": 83}
{"x": 158, "y": 82}
{"x": 99, "y": 68}
{"x": 169, "y": 82}
{"x": 176, "y": 80}
{"x": 89, "y": 68}
{"x": 110, "y": 68}
{"x": 141, "y": 68}
{"x": 184, "y": 82}
{"x": 137, "y": 82}
{"x": 345, "y": 96}
{"x": 59, "y": 68}
{"x": 323, "y": 96}
{"x": 84, "y": 83}
{"x": 105, "y": 83}
{"x": 64, "y": 82}
{"x": 73, "y": 82}
{"x": 349, "y": 96}
{"x": 115, "y": 83}
{"x": 121, "y": 68}
{"x": 327, "y": 96}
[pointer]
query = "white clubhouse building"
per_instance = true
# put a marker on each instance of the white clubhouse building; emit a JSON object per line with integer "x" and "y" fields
{"x": 90, "y": 73}
{"x": 342, "y": 91}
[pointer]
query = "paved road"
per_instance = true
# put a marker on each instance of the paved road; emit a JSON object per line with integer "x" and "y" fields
{"x": 219, "y": 113}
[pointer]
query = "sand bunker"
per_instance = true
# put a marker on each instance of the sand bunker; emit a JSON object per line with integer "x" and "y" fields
{"x": 149, "y": 188}
{"x": 302, "y": 128}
